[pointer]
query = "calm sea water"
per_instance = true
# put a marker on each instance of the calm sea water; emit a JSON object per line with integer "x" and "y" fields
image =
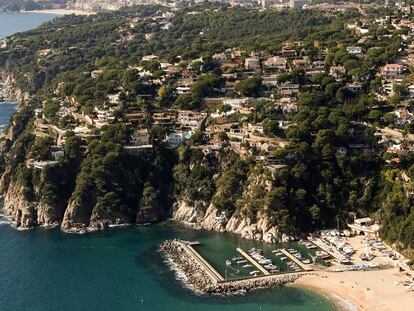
{"x": 120, "y": 269}
{"x": 11, "y": 23}
{"x": 6, "y": 110}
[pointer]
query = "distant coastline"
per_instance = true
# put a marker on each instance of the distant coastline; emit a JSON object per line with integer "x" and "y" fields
{"x": 60, "y": 12}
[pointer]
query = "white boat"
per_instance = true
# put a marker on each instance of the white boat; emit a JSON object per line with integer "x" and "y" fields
{"x": 247, "y": 266}
{"x": 255, "y": 250}
{"x": 345, "y": 261}
{"x": 254, "y": 272}
{"x": 283, "y": 258}
{"x": 228, "y": 263}
{"x": 322, "y": 254}
{"x": 241, "y": 261}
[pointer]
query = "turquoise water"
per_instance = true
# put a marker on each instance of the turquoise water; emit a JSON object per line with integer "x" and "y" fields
{"x": 11, "y": 23}
{"x": 119, "y": 270}
{"x": 42, "y": 270}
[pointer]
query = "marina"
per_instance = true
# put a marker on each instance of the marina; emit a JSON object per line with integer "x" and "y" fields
{"x": 205, "y": 279}
{"x": 203, "y": 263}
{"x": 250, "y": 265}
{"x": 296, "y": 261}
{"x": 254, "y": 262}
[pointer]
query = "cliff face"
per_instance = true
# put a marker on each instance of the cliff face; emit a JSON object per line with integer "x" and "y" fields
{"x": 10, "y": 91}
{"x": 261, "y": 229}
{"x": 240, "y": 202}
{"x": 75, "y": 218}
{"x": 26, "y": 213}
{"x": 105, "y": 188}
{"x": 22, "y": 211}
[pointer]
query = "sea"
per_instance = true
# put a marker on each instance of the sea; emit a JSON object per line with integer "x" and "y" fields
{"x": 11, "y": 23}
{"x": 118, "y": 269}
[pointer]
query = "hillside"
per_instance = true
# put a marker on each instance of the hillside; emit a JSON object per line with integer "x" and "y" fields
{"x": 264, "y": 124}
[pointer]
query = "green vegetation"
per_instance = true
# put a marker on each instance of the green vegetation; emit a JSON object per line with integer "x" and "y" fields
{"x": 332, "y": 165}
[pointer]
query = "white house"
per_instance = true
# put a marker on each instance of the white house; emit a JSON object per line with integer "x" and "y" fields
{"x": 252, "y": 63}
{"x": 190, "y": 120}
{"x": 176, "y": 138}
{"x": 355, "y": 50}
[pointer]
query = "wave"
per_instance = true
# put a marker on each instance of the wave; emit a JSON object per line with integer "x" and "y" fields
{"x": 9, "y": 103}
{"x": 180, "y": 276}
{"x": 5, "y": 220}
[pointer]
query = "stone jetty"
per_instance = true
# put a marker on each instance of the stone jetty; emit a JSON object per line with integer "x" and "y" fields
{"x": 204, "y": 281}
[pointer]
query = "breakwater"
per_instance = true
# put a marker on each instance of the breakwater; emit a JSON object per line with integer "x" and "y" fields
{"x": 203, "y": 279}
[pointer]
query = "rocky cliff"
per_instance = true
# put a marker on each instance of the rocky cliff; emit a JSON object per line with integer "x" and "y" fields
{"x": 104, "y": 187}
{"x": 208, "y": 216}
{"x": 9, "y": 90}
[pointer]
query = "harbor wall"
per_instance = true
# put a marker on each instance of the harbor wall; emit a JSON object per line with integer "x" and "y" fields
{"x": 201, "y": 280}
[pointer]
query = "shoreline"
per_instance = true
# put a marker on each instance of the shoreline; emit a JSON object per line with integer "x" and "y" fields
{"x": 360, "y": 290}
{"x": 60, "y": 12}
{"x": 341, "y": 303}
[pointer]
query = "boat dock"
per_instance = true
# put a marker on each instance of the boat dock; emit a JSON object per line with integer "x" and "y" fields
{"x": 254, "y": 262}
{"x": 206, "y": 279}
{"x": 326, "y": 248}
{"x": 295, "y": 260}
{"x": 213, "y": 273}
{"x": 191, "y": 243}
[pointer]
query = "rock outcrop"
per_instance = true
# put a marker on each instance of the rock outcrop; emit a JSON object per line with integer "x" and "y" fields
{"x": 261, "y": 230}
{"x": 189, "y": 213}
{"x": 10, "y": 91}
{"x": 76, "y": 218}
{"x": 21, "y": 210}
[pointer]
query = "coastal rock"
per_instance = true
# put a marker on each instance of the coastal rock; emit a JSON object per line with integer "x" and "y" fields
{"x": 21, "y": 211}
{"x": 212, "y": 222}
{"x": 198, "y": 215}
{"x": 102, "y": 217}
{"x": 76, "y": 217}
{"x": 190, "y": 213}
{"x": 48, "y": 216}
{"x": 10, "y": 90}
{"x": 261, "y": 230}
{"x": 5, "y": 180}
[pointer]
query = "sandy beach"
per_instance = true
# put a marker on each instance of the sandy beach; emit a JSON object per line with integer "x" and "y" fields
{"x": 61, "y": 12}
{"x": 378, "y": 290}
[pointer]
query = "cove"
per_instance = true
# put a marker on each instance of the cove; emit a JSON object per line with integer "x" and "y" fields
{"x": 119, "y": 269}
